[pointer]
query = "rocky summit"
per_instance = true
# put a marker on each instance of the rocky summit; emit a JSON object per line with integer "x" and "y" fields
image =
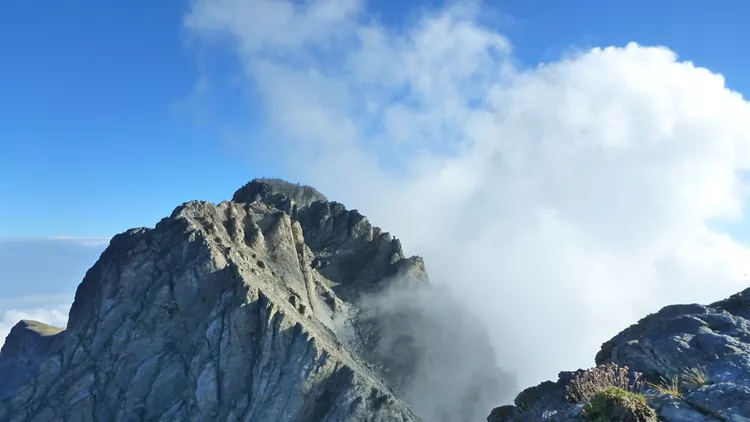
{"x": 278, "y": 305}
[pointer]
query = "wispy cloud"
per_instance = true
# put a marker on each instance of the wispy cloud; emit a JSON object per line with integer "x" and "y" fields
{"x": 563, "y": 201}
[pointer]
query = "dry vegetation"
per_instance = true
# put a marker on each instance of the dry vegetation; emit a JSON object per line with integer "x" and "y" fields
{"x": 689, "y": 377}
{"x": 695, "y": 377}
{"x": 588, "y": 383}
{"x": 609, "y": 393}
{"x": 669, "y": 386}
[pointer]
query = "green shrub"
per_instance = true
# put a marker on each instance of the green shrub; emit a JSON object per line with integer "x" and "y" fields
{"x": 617, "y": 404}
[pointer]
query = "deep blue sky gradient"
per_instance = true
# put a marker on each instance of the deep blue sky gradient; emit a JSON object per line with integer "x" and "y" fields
{"x": 105, "y": 125}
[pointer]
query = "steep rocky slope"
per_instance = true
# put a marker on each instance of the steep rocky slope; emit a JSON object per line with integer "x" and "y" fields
{"x": 714, "y": 339}
{"x": 276, "y": 306}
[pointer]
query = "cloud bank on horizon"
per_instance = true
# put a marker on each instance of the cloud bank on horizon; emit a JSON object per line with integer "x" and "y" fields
{"x": 40, "y": 276}
{"x": 562, "y": 202}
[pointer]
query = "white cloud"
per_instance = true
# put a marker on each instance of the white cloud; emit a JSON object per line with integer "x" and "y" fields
{"x": 563, "y": 202}
{"x": 268, "y": 25}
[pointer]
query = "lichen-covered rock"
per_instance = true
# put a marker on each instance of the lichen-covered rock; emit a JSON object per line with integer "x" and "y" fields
{"x": 250, "y": 310}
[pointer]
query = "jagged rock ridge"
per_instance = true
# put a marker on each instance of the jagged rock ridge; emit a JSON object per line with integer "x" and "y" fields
{"x": 246, "y": 310}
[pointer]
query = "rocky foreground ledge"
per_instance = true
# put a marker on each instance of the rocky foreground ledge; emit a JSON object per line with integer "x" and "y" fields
{"x": 694, "y": 362}
{"x": 276, "y": 306}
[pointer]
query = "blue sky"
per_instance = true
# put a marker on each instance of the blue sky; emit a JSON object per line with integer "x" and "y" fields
{"x": 99, "y": 134}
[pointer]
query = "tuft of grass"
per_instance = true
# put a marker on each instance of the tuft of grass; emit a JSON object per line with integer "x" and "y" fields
{"x": 695, "y": 377}
{"x": 668, "y": 386}
{"x": 690, "y": 377}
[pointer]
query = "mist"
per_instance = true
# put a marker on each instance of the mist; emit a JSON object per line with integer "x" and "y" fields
{"x": 437, "y": 354}
{"x": 560, "y": 202}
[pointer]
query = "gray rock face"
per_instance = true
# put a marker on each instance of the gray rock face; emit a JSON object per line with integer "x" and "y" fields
{"x": 250, "y": 310}
{"x": 713, "y": 338}
{"x": 25, "y": 348}
{"x": 279, "y": 193}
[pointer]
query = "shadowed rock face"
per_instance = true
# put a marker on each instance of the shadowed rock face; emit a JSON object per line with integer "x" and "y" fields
{"x": 249, "y": 310}
{"x": 715, "y": 338}
{"x": 25, "y": 348}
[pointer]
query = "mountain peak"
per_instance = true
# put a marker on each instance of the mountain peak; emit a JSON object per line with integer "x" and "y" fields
{"x": 266, "y": 307}
{"x": 278, "y": 192}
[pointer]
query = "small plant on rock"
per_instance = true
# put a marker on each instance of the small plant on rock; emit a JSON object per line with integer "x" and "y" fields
{"x": 690, "y": 377}
{"x": 608, "y": 393}
{"x": 669, "y": 386}
{"x": 586, "y": 384}
{"x": 695, "y": 377}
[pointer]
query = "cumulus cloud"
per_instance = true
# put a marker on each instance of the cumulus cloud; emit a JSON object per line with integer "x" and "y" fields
{"x": 562, "y": 201}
